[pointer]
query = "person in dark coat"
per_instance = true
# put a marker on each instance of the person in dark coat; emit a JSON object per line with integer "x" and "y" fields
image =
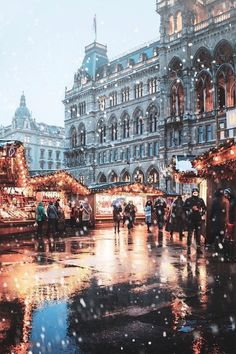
{"x": 129, "y": 215}
{"x": 52, "y": 218}
{"x": 177, "y": 218}
{"x": 195, "y": 208}
{"x": 230, "y": 225}
{"x": 160, "y": 210}
{"x": 40, "y": 218}
{"x": 117, "y": 214}
{"x": 218, "y": 216}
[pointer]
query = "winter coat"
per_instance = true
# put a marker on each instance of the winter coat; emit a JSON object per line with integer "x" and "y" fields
{"x": 52, "y": 212}
{"x": 160, "y": 208}
{"x": 218, "y": 216}
{"x": 117, "y": 210}
{"x": 148, "y": 214}
{"x": 176, "y": 220}
{"x": 195, "y": 208}
{"x": 40, "y": 212}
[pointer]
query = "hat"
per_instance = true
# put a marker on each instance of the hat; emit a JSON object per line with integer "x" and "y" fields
{"x": 195, "y": 190}
{"x": 228, "y": 191}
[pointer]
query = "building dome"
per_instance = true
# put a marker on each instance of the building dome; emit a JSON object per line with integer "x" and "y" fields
{"x": 22, "y": 111}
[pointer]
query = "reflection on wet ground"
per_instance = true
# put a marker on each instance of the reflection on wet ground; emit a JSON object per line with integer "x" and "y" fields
{"x": 107, "y": 293}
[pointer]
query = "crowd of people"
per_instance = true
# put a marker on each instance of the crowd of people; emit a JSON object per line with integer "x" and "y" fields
{"x": 55, "y": 213}
{"x": 185, "y": 216}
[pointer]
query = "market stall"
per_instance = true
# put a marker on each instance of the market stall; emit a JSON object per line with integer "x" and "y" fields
{"x": 58, "y": 185}
{"x": 214, "y": 169}
{"x": 17, "y": 203}
{"x": 104, "y": 195}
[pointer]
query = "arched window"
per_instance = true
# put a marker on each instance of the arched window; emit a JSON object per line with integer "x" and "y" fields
{"x": 102, "y": 178}
{"x": 101, "y": 132}
{"x": 138, "y": 176}
{"x": 226, "y": 87}
{"x": 152, "y": 119}
{"x": 223, "y": 53}
{"x": 82, "y": 135}
{"x": 202, "y": 59}
{"x": 204, "y": 93}
{"x": 177, "y": 99}
{"x": 138, "y": 122}
{"x": 73, "y": 137}
{"x": 126, "y": 126}
{"x": 179, "y": 22}
{"x": 113, "y": 177}
{"x": 171, "y": 25}
{"x": 126, "y": 177}
{"x": 153, "y": 177}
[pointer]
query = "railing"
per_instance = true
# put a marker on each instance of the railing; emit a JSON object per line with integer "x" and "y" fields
{"x": 201, "y": 25}
{"x": 223, "y": 17}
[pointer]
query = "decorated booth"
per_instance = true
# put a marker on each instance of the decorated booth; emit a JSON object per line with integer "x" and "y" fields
{"x": 17, "y": 202}
{"x": 58, "y": 185}
{"x": 103, "y": 196}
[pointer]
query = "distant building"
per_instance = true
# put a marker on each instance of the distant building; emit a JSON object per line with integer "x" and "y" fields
{"x": 44, "y": 144}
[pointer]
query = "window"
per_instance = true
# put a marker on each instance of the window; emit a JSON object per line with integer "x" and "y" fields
{"x": 104, "y": 158}
{"x": 58, "y": 166}
{"x": 222, "y": 130}
{"x": 102, "y": 133}
{"x": 114, "y": 131}
{"x": 115, "y": 153}
{"x": 171, "y": 139}
{"x": 150, "y": 149}
{"x": 102, "y": 103}
{"x": 58, "y": 155}
{"x": 138, "y": 90}
{"x": 127, "y": 154}
{"x": 152, "y": 85}
{"x": 81, "y": 179}
{"x": 73, "y": 111}
{"x": 82, "y": 108}
{"x": 209, "y": 132}
{"x": 177, "y": 99}
{"x": 42, "y": 163}
{"x": 200, "y": 134}
{"x": 180, "y": 136}
{"x": 136, "y": 151}
{"x": 156, "y": 148}
{"x": 49, "y": 154}
{"x": 141, "y": 152}
{"x": 42, "y": 151}
{"x": 125, "y": 94}
{"x": 143, "y": 57}
{"x": 113, "y": 99}
{"x": 126, "y": 127}
{"x": 82, "y": 135}
{"x": 26, "y": 139}
{"x": 50, "y": 163}
{"x": 139, "y": 125}
{"x": 153, "y": 119}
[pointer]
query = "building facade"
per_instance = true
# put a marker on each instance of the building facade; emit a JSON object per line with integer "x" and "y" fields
{"x": 44, "y": 144}
{"x": 125, "y": 119}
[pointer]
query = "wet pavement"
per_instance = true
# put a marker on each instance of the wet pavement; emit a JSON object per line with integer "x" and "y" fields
{"x": 106, "y": 293}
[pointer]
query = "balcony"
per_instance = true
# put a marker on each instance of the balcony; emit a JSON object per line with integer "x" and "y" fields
{"x": 174, "y": 120}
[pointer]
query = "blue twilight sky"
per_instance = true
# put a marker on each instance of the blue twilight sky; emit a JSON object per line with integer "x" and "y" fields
{"x": 42, "y": 45}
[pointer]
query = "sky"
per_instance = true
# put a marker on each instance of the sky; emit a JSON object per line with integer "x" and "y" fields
{"x": 42, "y": 46}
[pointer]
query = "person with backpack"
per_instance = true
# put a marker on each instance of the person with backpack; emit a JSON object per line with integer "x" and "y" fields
{"x": 52, "y": 218}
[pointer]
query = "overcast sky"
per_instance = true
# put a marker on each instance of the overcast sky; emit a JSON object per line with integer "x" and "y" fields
{"x": 42, "y": 45}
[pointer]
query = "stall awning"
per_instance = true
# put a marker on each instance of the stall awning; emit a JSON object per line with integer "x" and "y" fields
{"x": 13, "y": 166}
{"x": 126, "y": 187}
{"x": 58, "y": 181}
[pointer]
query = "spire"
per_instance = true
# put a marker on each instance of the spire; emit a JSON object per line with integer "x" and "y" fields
{"x": 22, "y": 100}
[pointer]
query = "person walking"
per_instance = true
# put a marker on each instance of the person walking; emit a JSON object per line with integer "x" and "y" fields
{"x": 230, "y": 225}
{"x": 218, "y": 218}
{"x": 160, "y": 209}
{"x": 86, "y": 216}
{"x": 148, "y": 214}
{"x": 129, "y": 215}
{"x": 52, "y": 218}
{"x": 176, "y": 219}
{"x": 195, "y": 208}
{"x": 40, "y": 218}
{"x": 67, "y": 214}
{"x": 116, "y": 213}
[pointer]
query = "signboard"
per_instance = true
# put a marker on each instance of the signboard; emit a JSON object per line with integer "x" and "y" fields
{"x": 183, "y": 163}
{"x": 231, "y": 119}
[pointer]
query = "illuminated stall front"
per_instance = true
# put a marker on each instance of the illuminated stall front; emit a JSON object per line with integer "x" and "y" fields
{"x": 104, "y": 196}
{"x": 57, "y": 185}
{"x": 17, "y": 202}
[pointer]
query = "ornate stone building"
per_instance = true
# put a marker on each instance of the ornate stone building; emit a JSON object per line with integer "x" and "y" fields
{"x": 44, "y": 144}
{"x": 125, "y": 119}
